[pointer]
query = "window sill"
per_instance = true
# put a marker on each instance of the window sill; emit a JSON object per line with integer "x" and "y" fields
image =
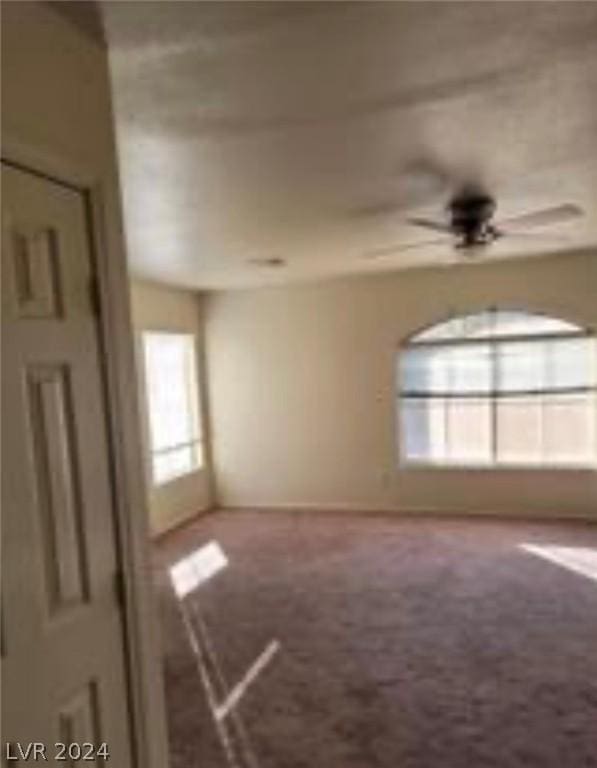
{"x": 457, "y": 467}
{"x": 158, "y": 486}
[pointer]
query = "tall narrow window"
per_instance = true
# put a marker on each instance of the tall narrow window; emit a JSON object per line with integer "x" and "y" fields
{"x": 173, "y": 403}
{"x": 499, "y": 388}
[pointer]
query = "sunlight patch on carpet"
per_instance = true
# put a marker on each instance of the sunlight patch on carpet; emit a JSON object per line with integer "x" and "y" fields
{"x": 197, "y": 568}
{"x": 581, "y": 560}
{"x": 250, "y": 676}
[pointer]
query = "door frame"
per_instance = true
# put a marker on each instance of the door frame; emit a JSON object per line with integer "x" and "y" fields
{"x": 116, "y": 348}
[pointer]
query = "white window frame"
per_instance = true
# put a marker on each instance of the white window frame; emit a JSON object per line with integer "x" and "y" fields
{"x": 492, "y": 397}
{"x": 195, "y": 443}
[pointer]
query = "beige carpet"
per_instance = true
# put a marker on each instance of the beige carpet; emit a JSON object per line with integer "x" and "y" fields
{"x": 405, "y": 643}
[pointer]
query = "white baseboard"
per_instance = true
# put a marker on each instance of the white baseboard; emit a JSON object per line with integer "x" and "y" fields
{"x": 350, "y": 508}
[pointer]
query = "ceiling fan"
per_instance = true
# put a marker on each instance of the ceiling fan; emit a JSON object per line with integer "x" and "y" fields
{"x": 471, "y": 226}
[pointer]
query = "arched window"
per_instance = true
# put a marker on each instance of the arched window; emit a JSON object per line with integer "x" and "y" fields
{"x": 499, "y": 388}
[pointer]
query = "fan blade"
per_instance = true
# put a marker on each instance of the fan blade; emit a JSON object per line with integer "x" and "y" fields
{"x": 543, "y": 218}
{"x": 436, "y": 226}
{"x": 542, "y": 237}
{"x": 383, "y": 208}
{"x": 398, "y": 248}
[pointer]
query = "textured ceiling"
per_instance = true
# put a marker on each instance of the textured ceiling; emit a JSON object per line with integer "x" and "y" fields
{"x": 311, "y": 132}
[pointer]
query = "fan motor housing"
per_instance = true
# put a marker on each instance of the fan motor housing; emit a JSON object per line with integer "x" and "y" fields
{"x": 470, "y": 217}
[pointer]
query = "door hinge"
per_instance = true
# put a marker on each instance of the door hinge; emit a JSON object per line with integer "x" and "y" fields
{"x": 95, "y": 296}
{"x": 120, "y": 588}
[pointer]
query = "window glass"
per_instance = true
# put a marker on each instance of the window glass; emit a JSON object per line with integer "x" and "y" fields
{"x": 493, "y": 323}
{"x": 470, "y": 368}
{"x": 424, "y": 430}
{"x": 569, "y": 427}
{"x": 569, "y": 363}
{"x": 468, "y": 430}
{"x": 425, "y": 370}
{"x": 521, "y": 366}
{"x": 449, "y": 368}
{"x": 519, "y": 430}
{"x": 499, "y": 388}
{"x": 173, "y": 403}
{"x": 507, "y": 323}
{"x": 177, "y": 462}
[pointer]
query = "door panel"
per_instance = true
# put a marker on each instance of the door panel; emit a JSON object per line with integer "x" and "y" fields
{"x": 63, "y": 652}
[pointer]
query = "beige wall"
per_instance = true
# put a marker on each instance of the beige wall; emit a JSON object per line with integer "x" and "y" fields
{"x": 301, "y": 387}
{"x": 157, "y": 308}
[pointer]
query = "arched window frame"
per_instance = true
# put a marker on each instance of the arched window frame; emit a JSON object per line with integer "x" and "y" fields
{"x": 436, "y": 336}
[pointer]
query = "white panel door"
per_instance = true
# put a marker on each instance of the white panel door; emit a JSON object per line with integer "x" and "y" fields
{"x": 63, "y": 660}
